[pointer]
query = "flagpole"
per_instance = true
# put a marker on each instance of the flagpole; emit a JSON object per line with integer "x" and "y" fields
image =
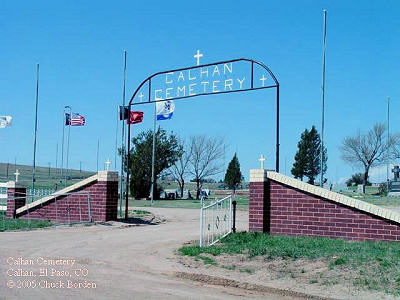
{"x": 387, "y": 153}
{"x": 153, "y": 153}
{"x": 62, "y": 146}
{"x": 56, "y": 158}
{"x": 116, "y": 142}
{"x": 98, "y": 145}
{"x": 69, "y": 131}
{"x": 36, "y": 121}
{"x": 121, "y": 186}
{"x": 323, "y": 101}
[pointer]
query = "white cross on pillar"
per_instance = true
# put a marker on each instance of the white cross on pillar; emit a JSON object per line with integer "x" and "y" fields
{"x": 141, "y": 96}
{"x": 108, "y": 162}
{"x": 263, "y": 78}
{"x": 262, "y": 159}
{"x": 16, "y": 175}
{"x": 197, "y": 56}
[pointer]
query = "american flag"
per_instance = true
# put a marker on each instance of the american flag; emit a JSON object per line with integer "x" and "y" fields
{"x": 76, "y": 120}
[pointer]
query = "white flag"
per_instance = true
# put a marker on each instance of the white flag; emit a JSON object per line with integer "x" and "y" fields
{"x": 5, "y": 121}
{"x": 164, "y": 109}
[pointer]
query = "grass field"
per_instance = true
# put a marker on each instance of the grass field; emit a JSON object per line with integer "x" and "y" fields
{"x": 15, "y": 224}
{"x": 46, "y": 177}
{"x": 371, "y": 196}
{"x": 242, "y": 202}
{"x": 371, "y": 265}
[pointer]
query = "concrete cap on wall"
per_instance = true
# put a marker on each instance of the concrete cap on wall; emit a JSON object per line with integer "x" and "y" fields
{"x": 258, "y": 175}
{"x": 107, "y": 176}
{"x": 15, "y": 185}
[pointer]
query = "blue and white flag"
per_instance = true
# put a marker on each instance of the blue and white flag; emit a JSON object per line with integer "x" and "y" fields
{"x": 5, "y": 121}
{"x": 165, "y": 109}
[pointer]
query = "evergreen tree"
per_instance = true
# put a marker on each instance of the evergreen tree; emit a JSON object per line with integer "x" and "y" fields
{"x": 313, "y": 161}
{"x": 300, "y": 159}
{"x": 168, "y": 151}
{"x": 307, "y": 159}
{"x": 233, "y": 175}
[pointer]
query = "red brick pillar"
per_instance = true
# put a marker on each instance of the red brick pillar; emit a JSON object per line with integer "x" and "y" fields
{"x": 104, "y": 197}
{"x": 259, "y": 201}
{"x": 16, "y": 197}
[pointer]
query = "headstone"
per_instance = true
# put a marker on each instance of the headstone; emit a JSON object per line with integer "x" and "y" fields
{"x": 396, "y": 173}
{"x": 187, "y": 195}
{"x": 361, "y": 189}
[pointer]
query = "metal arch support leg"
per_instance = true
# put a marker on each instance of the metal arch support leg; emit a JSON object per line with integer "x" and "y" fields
{"x": 127, "y": 168}
{"x": 277, "y": 130}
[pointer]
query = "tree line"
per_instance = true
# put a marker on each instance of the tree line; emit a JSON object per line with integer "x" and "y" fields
{"x": 361, "y": 150}
{"x": 201, "y": 157}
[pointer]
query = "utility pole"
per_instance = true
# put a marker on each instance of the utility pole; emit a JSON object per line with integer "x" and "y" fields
{"x": 97, "y": 164}
{"x": 323, "y": 100}
{"x": 56, "y": 157}
{"x": 35, "y": 132}
{"x": 388, "y": 150}
{"x": 69, "y": 133}
{"x": 121, "y": 186}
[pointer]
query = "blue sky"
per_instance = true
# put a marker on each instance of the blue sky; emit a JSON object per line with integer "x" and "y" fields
{"x": 79, "y": 46}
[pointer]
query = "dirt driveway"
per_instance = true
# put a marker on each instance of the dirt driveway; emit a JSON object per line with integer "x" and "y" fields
{"x": 119, "y": 262}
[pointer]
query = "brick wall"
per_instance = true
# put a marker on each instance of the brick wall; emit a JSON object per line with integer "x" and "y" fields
{"x": 16, "y": 197}
{"x": 258, "y": 207}
{"x": 293, "y": 211}
{"x": 72, "y": 204}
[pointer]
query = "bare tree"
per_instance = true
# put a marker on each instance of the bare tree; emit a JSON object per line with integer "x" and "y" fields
{"x": 394, "y": 150}
{"x": 206, "y": 158}
{"x": 368, "y": 150}
{"x": 179, "y": 169}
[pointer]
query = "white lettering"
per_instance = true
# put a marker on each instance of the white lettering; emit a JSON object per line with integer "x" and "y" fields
{"x": 204, "y": 83}
{"x": 216, "y": 70}
{"x": 203, "y": 72}
{"x": 156, "y": 96}
{"x": 179, "y": 89}
{"x": 191, "y": 93}
{"x": 167, "y": 94}
{"x": 215, "y": 86}
{"x": 166, "y": 77}
{"x": 226, "y": 67}
{"x": 191, "y": 78}
{"x": 181, "y": 76}
{"x": 241, "y": 82}
{"x": 228, "y": 84}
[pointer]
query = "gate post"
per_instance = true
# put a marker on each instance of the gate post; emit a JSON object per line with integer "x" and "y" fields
{"x": 16, "y": 197}
{"x": 259, "y": 201}
{"x": 104, "y": 199}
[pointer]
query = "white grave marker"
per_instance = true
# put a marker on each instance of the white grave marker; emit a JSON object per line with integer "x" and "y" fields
{"x": 262, "y": 159}
{"x": 16, "y": 175}
{"x": 108, "y": 162}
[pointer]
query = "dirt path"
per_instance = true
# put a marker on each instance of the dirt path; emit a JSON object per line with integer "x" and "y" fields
{"x": 123, "y": 262}
{"x": 136, "y": 263}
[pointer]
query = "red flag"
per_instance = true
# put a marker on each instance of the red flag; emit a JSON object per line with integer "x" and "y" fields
{"x": 136, "y": 117}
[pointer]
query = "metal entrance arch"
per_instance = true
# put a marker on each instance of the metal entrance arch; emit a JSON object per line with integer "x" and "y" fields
{"x": 148, "y": 80}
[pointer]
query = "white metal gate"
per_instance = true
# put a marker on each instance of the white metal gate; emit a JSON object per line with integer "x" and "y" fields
{"x": 215, "y": 221}
{"x": 3, "y": 196}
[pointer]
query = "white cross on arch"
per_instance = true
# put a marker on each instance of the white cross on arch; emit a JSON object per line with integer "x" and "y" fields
{"x": 197, "y": 56}
{"x": 262, "y": 159}
{"x": 263, "y": 78}
{"x": 141, "y": 96}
